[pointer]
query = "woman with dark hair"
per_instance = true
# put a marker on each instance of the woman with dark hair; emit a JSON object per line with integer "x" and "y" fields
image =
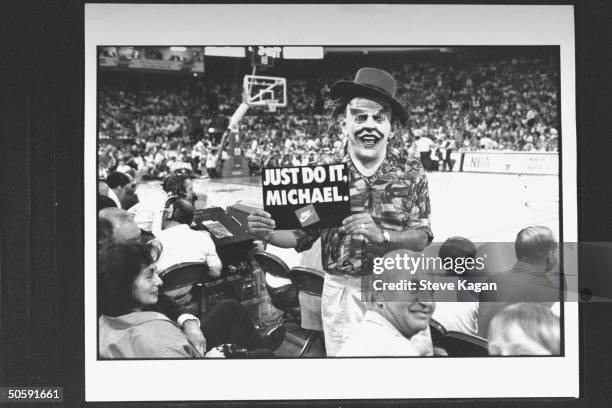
{"x": 128, "y": 284}
{"x": 129, "y": 326}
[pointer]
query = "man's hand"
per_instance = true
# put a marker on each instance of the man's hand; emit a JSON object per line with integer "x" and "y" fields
{"x": 440, "y": 352}
{"x": 362, "y": 225}
{"x": 215, "y": 353}
{"x": 261, "y": 224}
{"x": 422, "y": 343}
{"x": 194, "y": 335}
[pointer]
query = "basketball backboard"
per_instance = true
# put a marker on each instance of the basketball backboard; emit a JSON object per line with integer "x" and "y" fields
{"x": 265, "y": 91}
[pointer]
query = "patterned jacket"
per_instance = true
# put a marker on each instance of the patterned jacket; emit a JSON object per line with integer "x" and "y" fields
{"x": 397, "y": 198}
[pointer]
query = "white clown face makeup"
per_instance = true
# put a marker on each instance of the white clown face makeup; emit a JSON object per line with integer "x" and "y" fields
{"x": 368, "y": 128}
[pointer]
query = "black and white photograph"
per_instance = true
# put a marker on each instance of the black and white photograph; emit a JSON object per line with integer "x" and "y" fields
{"x": 342, "y": 203}
{"x": 474, "y": 118}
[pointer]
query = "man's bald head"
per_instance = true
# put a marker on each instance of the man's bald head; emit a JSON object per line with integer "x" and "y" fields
{"x": 124, "y": 226}
{"x": 535, "y": 244}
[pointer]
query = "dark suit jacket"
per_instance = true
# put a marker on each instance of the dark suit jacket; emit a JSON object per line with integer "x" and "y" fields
{"x": 520, "y": 284}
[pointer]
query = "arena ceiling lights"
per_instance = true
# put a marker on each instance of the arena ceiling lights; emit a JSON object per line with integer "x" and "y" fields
{"x": 303, "y": 52}
{"x": 236, "y": 52}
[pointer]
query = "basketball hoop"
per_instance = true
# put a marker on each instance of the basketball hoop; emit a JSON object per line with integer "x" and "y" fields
{"x": 265, "y": 91}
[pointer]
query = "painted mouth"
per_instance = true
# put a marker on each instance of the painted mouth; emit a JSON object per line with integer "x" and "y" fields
{"x": 369, "y": 140}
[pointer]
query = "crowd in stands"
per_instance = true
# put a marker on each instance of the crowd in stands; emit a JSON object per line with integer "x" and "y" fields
{"x": 496, "y": 104}
{"x": 146, "y": 114}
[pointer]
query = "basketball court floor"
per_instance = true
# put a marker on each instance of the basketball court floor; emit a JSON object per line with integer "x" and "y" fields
{"x": 478, "y": 206}
{"x": 481, "y": 207}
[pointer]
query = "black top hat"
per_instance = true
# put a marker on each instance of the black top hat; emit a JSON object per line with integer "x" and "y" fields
{"x": 372, "y": 82}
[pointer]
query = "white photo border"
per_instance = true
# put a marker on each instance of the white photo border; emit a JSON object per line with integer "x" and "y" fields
{"x": 308, "y": 24}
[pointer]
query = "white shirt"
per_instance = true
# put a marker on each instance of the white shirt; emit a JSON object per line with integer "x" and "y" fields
{"x": 211, "y": 161}
{"x": 113, "y": 196}
{"x": 148, "y": 212}
{"x": 458, "y": 316}
{"x": 376, "y": 336}
{"x": 423, "y": 144}
{"x": 123, "y": 168}
{"x": 311, "y": 144}
{"x": 556, "y": 309}
{"x": 182, "y": 244}
{"x": 486, "y": 143}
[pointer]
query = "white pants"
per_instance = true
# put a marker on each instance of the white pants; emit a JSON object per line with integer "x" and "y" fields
{"x": 341, "y": 309}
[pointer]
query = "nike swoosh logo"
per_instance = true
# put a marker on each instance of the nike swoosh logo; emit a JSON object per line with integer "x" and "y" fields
{"x": 305, "y": 215}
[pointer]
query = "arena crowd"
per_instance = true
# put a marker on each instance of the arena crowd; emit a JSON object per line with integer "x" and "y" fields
{"x": 505, "y": 104}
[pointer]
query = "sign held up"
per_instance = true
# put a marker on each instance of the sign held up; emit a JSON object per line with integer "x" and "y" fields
{"x": 299, "y": 197}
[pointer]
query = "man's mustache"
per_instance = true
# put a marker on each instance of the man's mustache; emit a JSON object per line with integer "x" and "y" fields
{"x": 369, "y": 131}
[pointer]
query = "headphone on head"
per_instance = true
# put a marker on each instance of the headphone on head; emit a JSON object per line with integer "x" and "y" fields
{"x": 169, "y": 208}
{"x": 174, "y": 183}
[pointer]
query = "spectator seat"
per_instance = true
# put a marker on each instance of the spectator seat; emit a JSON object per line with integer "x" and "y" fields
{"x": 309, "y": 283}
{"x": 183, "y": 283}
{"x": 457, "y": 344}
{"x": 279, "y": 284}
